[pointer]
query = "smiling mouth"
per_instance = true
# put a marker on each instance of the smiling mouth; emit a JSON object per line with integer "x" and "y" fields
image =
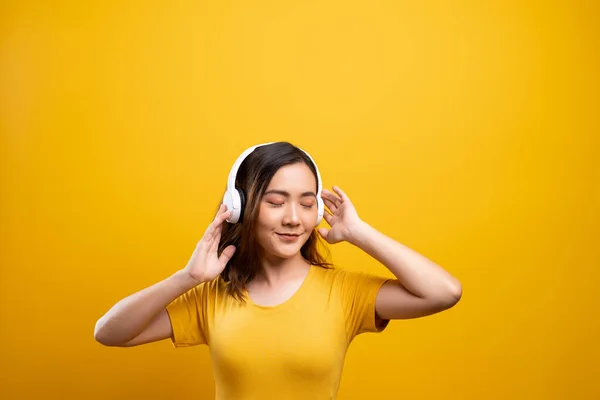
{"x": 288, "y": 237}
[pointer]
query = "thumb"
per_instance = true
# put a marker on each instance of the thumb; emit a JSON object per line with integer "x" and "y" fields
{"x": 226, "y": 254}
{"x": 323, "y": 232}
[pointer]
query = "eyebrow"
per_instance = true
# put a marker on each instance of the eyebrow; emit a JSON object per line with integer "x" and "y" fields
{"x": 287, "y": 194}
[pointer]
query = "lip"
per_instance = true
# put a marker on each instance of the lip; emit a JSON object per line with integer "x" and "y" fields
{"x": 288, "y": 237}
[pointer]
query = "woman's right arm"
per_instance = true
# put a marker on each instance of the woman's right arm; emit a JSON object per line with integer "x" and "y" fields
{"x": 142, "y": 317}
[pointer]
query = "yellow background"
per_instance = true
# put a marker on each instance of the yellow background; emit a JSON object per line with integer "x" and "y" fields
{"x": 465, "y": 130}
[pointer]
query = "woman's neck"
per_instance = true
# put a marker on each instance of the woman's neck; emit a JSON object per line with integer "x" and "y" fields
{"x": 275, "y": 272}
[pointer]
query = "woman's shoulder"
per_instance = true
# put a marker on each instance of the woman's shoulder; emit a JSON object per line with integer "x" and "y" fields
{"x": 332, "y": 273}
{"x": 333, "y": 270}
{"x": 343, "y": 275}
{"x": 215, "y": 286}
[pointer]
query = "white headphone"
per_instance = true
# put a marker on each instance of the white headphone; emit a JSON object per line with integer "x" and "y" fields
{"x": 233, "y": 197}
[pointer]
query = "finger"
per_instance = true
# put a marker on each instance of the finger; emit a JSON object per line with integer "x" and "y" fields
{"x": 226, "y": 255}
{"x": 340, "y": 193}
{"x": 222, "y": 207}
{"x": 223, "y": 216}
{"x": 330, "y": 204}
{"x": 217, "y": 224}
{"x": 323, "y": 232}
{"x": 328, "y": 217}
{"x": 326, "y": 194}
{"x": 215, "y": 219}
{"x": 214, "y": 240}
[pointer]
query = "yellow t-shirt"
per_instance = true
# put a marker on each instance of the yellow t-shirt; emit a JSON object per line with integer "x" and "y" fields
{"x": 294, "y": 350}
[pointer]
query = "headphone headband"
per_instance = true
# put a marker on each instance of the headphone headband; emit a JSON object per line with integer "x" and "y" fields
{"x": 238, "y": 163}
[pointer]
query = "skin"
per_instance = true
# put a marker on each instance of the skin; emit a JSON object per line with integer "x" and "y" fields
{"x": 288, "y": 206}
{"x": 421, "y": 286}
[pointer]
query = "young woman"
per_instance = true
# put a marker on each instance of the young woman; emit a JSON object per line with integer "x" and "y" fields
{"x": 277, "y": 317}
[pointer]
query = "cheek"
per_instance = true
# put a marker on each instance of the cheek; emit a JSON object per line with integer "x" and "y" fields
{"x": 268, "y": 218}
{"x": 309, "y": 218}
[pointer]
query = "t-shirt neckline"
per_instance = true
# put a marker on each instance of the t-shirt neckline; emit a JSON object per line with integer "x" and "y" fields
{"x": 294, "y": 297}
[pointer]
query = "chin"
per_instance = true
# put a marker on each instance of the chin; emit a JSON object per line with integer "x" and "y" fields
{"x": 276, "y": 249}
{"x": 285, "y": 252}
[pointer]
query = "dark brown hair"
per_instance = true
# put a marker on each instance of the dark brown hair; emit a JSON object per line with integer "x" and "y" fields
{"x": 253, "y": 178}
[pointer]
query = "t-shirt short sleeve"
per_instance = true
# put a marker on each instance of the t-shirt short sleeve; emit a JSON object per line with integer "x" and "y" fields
{"x": 358, "y": 292}
{"x": 188, "y": 318}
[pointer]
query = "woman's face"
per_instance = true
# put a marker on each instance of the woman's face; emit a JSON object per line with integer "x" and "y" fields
{"x": 288, "y": 211}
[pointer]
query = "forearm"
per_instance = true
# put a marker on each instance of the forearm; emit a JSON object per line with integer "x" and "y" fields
{"x": 130, "y": 316}
{"x": 421, "y": 276}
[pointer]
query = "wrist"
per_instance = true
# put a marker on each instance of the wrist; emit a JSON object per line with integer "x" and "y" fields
{"x": 358, "y": 235}
{"x": 184, "y": 280}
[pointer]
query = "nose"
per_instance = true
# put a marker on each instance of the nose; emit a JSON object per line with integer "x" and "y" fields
{"x": 291, "y": 215}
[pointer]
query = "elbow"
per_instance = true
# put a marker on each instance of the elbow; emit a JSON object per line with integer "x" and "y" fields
{"x": 106, "y": 341}
{"x": 101, "y": 336}
{"x": 454, "y": 294}
{"x": 447, "y": 297}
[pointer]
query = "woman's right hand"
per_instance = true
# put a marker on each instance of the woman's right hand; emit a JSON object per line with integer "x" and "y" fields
{"x": 205, "y": 264}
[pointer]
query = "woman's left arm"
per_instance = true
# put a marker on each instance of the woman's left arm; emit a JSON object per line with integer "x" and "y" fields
{"x": 422, "y": 287}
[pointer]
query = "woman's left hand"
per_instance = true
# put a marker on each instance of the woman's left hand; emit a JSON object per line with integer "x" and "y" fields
{"x": 343, "y": 218}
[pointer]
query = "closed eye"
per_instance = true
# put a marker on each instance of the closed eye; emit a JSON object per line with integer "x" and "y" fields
{"x": 272, "y": 204}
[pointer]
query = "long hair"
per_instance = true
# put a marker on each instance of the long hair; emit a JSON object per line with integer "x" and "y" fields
{"x": 253, "y": 178}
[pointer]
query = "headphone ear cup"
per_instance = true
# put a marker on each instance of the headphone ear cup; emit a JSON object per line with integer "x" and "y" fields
{"x": 320, "y": 210}
{"x": 231, "y": 199}
{"x": 242, "y": 204}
